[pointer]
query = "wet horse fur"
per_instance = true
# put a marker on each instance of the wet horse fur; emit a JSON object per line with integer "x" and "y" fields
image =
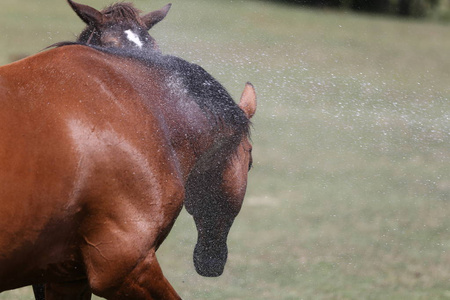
{"x": 99, "y": 150}
{"x": 120, "y": 25}
{"x": 211, "y": 193}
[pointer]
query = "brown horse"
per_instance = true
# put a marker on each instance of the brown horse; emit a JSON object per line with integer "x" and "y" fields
{"x": 99, "y": 149}
{"x": 119, "y": 25}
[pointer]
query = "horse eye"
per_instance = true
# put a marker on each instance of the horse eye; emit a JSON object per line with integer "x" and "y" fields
{"x": 250, "y": 163}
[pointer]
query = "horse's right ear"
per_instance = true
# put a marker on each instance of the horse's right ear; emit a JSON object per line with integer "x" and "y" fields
{"x": 88, "y": 14}
{"x": 248, "y": 100}
{"x": 156, "y": 16}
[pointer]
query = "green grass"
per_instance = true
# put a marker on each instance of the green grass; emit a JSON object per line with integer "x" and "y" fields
{"x": 350, "y": 194}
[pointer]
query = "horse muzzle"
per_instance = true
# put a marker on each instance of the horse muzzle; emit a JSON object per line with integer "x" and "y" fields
{"x": 210, "y": 258}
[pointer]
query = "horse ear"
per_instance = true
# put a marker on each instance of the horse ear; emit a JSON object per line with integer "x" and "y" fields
{"x": 156, "y": 16}
{"x": 248, "y": 100}
{"x": 89, "y": 15}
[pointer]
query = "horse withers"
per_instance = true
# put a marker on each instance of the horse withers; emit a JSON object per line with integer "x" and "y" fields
{"x": 99, "y": 150}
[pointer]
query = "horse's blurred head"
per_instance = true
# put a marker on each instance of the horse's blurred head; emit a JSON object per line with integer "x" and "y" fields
{"x": 215, "y": 197}
{"x": 120, "y": 25}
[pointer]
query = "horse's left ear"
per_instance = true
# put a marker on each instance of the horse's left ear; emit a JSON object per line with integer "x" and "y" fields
{"x": 248, "y": 100}
{"x": 156, "y": 16}
{"x": 88, "y": 14}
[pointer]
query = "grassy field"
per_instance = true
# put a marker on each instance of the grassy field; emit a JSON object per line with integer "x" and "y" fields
{"x": 349, "y": 197}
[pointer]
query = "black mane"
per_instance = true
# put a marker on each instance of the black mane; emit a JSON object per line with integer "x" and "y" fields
{"x": 205, "y": 90}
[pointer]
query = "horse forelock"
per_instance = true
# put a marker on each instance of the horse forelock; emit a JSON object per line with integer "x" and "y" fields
{"x": 123, "y": 12}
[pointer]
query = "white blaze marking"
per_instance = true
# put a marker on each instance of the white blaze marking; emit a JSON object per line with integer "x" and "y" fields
{"x": 133, "y": 37}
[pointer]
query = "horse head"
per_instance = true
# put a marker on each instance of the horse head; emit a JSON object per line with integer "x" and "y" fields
{"x": 215, "y": 195}
{"x": 120, "y": 25}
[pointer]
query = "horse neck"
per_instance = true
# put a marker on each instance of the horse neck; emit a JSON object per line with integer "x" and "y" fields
{"x": 201, "y": 151}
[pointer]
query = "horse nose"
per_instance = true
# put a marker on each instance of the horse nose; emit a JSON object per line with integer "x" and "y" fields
{"x": 209, "y": 261}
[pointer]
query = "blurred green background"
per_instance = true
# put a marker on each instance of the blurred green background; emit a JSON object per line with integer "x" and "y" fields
{"x": 431, "y": 9}
{"x": 349, "y": 197}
